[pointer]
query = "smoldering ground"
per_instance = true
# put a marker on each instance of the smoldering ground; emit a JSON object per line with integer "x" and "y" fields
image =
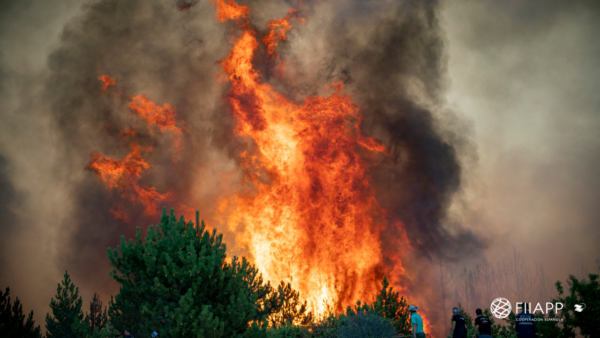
{"x": 391, "y": 55}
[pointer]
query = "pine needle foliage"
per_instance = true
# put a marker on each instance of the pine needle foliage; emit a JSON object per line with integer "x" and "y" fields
{"x": 389, "y": 305}
{"x": 178, "y": 282}
{"x": 67, "y": 316}
{"x": 12, "y": 320}
{"x": 292, "y": 312}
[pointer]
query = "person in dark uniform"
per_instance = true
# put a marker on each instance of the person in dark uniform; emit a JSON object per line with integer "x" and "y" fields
{"x": 525, "y": 326}
{"x": 483, "y": 324}
{"x": 458, "y": 328}
{"x": 127, "y": 334}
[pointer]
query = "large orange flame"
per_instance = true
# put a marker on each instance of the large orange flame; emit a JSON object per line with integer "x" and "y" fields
{"x": 310, "y": 216}
{"x": 306, "y": 210}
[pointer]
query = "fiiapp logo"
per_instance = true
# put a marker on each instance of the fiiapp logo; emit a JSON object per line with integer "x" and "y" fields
{"x": 501, "y": 307}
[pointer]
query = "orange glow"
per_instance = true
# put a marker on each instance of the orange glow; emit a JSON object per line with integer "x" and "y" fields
{"x": 123, "y": 175}
{"x": 227, "y": 9}
{"x": 426, "y": 325}
{"x": 127, "y": 132}
{"x": 108, "y": 81}
{"x": 162, "y": 117}
{"x": 277, "y": 30}
{"x": 309, "y": 210}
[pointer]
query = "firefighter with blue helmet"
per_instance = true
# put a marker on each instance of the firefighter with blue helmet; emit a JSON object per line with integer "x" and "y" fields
{"x": 525, "y": 325}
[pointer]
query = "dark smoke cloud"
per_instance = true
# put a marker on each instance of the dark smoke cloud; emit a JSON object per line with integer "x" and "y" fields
{"x": 149, "y": 48}
{"x": 391, "y": 57}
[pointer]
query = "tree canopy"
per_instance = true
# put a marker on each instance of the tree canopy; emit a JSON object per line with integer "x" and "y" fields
{"x": 12, "y": 320}
{"x": 178, "y": 281}
{"x": 66, "y": 311}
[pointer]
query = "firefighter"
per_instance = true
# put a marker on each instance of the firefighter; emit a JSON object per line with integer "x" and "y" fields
{"x": 525, "y": 325}
{"x": 458, "y": 327}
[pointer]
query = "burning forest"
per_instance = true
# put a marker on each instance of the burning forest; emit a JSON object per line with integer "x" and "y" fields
{"x": 325, "y": 179}
{"x": 333, "y": 181}
{"x": 304, "y": 205}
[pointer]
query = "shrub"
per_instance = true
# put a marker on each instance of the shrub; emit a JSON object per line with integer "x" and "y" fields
{"x": 366, "y": 325}
{"x": 328, "y": 327}
{"x": 289, "y": 332}
{"x": 388, "y": 304}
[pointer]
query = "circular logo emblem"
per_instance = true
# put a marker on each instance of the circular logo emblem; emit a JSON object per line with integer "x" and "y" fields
{"x": 500, "y": 308}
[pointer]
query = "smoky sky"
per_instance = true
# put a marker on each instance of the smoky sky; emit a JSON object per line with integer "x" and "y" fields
{"x": 423, "y": 172}
{"x": 452, "y": 89}
{"x": 536, "y": 125}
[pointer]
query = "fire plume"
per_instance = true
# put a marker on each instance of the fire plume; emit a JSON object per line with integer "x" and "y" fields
{"x": 162, "y": 117}
{"x": 124, "y": 175}
{"x": 306, "y": 209}
{"x": 309, "y": 211}
{"x": 108, "y": 81}
{"x": 277, "y": 30}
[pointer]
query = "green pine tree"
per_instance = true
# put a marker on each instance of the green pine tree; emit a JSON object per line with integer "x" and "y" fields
{"x": 177, "y": 281}
{"x": 291, "y": 309}
{"x": 95, "y": 324}
{"x": 388, "y": 304}
{"x": 67, "y": 318}
{"x": 12, "y": 320}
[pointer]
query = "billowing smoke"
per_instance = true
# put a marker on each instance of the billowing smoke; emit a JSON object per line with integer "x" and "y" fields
{"x": 390, "y": 55}
{"x": 395, "y": 63}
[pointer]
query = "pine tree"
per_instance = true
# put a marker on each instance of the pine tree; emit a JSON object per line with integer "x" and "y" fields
{"x": 97, "y": 317}
{"x": 388, "y": 304}
{"x": 291, "y": 310}
{"x": 178, "y": 282}
{"x": 12, "y": 319}
{"x": 67, "y": 316}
